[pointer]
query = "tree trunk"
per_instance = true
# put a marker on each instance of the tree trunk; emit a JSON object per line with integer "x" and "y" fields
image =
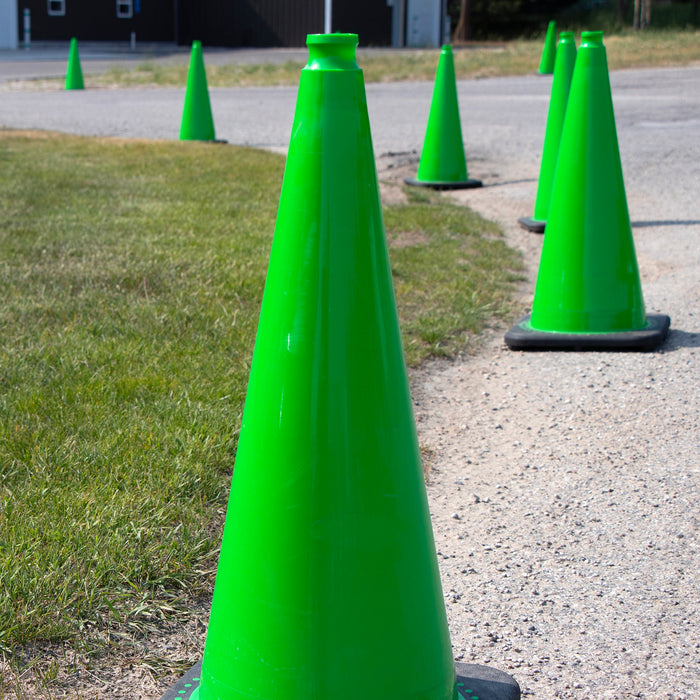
{"x": 635, "y": 15}
{"x": 622, "y": 6}
{"x": 694, "y": 14}
{"x": 463, "y": 31}
{"x": 646, "y": 13}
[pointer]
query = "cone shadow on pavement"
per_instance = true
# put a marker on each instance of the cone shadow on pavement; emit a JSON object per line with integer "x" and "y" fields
{"x": 588, "y": 293}
{"x": 197, "y": 121}
{"x": 442, "y": 163}
{"x": 561, "y": 83}
{"x": 327, "y": 583}
{"x": 549, "y": 50}
{"x": 74, "y": 73}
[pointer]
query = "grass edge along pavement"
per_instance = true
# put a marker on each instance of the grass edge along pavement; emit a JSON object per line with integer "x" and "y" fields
{"x": 132, "y": 274}
{"x": 651, "y": 48}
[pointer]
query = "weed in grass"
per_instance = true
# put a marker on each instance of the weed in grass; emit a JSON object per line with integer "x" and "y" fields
{"x": 132, "y": 275}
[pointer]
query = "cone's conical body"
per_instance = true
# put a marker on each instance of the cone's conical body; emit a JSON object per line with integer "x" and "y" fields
{"x": 327, "y": 585}
{"x": 74, "y": 74}
{"x": 442, "y": 161}
{"x": 197, "y": 121}
{"x": 588, "y": 281}
{"x": 549, "y": 50}
{"x": 561, "y": 83}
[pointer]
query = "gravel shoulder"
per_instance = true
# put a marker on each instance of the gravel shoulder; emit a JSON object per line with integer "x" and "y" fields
{"x": 564, "y": 498}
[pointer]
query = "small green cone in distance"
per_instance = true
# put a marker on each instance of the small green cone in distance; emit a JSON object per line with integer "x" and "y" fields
{"x": 561, "y": 83}
{"x": 588, "y": 293}
{"x": 442, "y": 163}
{"x": 74, "y": 74}
{"x": 327, "y": 584}
{"x": 197, "y": 121}
{"x": 549, "y": 50}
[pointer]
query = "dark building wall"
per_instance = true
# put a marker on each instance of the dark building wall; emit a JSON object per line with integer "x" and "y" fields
{"x": 369, "y": 19}
{"x": 214, "y": 22}
{"x": 96, "y": 20}
{"x": 249, "y": 22}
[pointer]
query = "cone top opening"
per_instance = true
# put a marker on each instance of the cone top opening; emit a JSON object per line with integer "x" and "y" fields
{"x": 566, "y": 36}
{"x": 196, "y": 44}
{"x": 447, "y": 48}
{"x": 332, "y": 52}
{"x": 591, "y": 38}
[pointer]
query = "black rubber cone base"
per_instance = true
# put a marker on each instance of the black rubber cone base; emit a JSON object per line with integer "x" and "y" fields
{"x": 186, "y": 685}
{"x": 532, "y": 225}
{"x": 522, "y": 337}
{"x": 443, "y": 185}
{"x": 485, "y": 683}
{"x": 473, "y": 682}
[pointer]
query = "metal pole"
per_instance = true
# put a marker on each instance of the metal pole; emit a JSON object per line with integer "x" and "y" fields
{"x": 27, "y": 27}
{"x": 328, "y": 17}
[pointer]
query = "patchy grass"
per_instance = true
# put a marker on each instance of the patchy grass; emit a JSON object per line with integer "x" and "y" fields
{"x": 132, "y": 274}
{"x": 452, "y": 273}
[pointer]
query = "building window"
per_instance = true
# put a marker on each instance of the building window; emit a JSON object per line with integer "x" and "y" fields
{"x": 125, "y": 9}
{"x": 56, "y": 8}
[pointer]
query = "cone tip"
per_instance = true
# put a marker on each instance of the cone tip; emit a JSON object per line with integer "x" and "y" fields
{"x": 337, "y": 38}
{"x": 332, "y": 51}
{"x": 592, "y": 38}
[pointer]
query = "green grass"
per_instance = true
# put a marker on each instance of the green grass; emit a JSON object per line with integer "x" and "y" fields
{"x": 452, "y": 274}
{"x": 132, "y": 274}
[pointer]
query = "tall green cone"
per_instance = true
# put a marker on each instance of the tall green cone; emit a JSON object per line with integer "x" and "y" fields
{"x": 442, "y": 162}
{"x": 549, "y": 50}
{"x": 561, "y": 82}
{"x": 588, "y": 292}
{"x": 74, "y": 74}
{"x": 327, "y": 584}
{"x": 197, "y": 122}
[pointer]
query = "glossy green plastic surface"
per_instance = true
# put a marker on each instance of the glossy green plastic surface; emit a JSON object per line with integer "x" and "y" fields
{"x": 327, "y": 584}
{"x": 197, "y": 121}
{"x": 74, "y": 73}
{"x": 588, "y": 280}
{"x": 549, "y": 50}
{"x": 442, "y": 158}
{"x": 561, "y": 83}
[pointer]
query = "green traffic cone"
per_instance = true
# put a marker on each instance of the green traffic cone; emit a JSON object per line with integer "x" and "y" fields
{"x": 549, "y": 50}
{"x": 442, "y": 162}
{"x": 563, "y": 70}
{"x": 197, "y": 122}
{"x": 588, "y": 292}
{"x": 327, "y": 584}
{"x": 74, "y": 74}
